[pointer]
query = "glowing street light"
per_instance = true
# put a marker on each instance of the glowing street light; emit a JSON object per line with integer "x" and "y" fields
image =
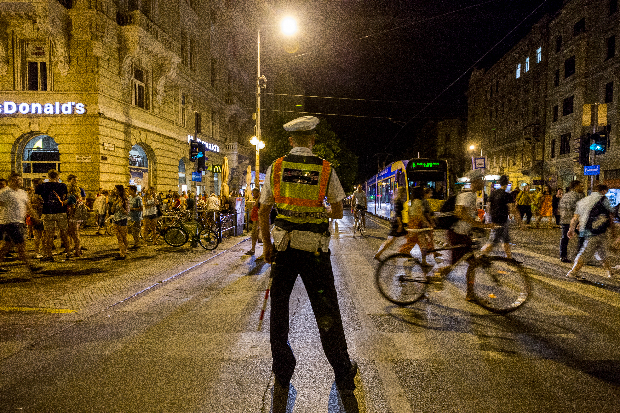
{"x": 259, "y": 145}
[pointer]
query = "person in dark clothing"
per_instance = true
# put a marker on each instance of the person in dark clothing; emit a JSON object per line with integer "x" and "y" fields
{"x": 555, "y": 203}
{"x": 55, "y": 200}
{"x": 502, "y": 204}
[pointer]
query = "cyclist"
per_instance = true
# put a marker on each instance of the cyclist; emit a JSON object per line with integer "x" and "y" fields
{"x": 459, "y": 234}
{"x": 359, "y": 200}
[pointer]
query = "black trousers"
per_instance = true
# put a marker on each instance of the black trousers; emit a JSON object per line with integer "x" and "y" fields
{"x": 525, "y": 210}
{"x": 564, "y": 242}
{"x": 318, "y": 278}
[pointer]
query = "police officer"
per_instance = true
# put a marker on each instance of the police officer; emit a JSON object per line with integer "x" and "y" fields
{"x": 297, "y": 184}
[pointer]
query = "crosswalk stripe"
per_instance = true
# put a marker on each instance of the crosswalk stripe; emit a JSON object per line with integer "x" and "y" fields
{"x": 37, "y": 309}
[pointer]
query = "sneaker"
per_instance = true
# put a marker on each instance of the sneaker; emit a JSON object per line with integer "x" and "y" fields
{"x": 120, "y": 257}
{"x": 47, "y": 259}
{"x": 38, "y": 256}
{"x": 566, "y": 260}
{"x": 571, "y": 274}
{"x": 250, "y": 252}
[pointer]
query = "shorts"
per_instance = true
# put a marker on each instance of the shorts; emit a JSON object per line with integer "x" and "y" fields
{"x": 500, "y": 234}
{"x": 13, "y": 232}
{"x": 592, "y": 244}
{"x": 121, "y": 222}
{"x": 51, "y": 221}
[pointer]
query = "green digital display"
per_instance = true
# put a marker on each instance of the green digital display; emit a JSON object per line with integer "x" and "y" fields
{"x": 426, "y": 164}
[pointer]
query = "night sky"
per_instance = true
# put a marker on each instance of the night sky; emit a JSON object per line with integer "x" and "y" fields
{"x": 400, "y": 58}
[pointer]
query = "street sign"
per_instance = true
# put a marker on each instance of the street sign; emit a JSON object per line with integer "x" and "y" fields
{"x": 592, "y": 170}
{"x": 197, "y": 176}
{"x": 479, "y": 163}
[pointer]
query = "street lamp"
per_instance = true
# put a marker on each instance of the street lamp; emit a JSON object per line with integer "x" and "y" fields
{"x": 289, "y": 28}
{"x": 259, "y": 145}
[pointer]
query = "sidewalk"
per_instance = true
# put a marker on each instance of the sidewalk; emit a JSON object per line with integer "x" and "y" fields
{"x": 85, "y": 284}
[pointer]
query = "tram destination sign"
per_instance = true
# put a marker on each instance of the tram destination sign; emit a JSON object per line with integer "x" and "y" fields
{"x": 8, "y": 108}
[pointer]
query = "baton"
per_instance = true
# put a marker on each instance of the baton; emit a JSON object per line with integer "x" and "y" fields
{"x": 262, "y": 313}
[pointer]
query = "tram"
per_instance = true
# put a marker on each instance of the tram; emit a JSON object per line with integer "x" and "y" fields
{"x": 430, "y": 173}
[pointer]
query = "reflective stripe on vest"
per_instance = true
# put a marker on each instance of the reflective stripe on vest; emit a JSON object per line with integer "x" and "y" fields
{"x": 299, "y": 186}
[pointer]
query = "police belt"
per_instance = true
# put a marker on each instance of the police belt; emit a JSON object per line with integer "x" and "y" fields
{"x": 305, "y": 215}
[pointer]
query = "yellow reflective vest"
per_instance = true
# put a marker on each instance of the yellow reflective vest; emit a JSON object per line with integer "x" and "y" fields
{"x": 299, "y": 185}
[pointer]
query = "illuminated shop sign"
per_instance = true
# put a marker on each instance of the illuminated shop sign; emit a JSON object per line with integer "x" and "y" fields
{"x": 210, "y": 146}
{"x": 55, "y": 108}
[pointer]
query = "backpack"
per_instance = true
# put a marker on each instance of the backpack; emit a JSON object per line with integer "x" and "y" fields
{"x": 445, "y": 218}
{"x": 598, "y": 219}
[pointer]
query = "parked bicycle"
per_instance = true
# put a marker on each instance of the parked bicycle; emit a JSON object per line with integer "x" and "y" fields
{"x": 183, "y": 231}
{"x": 501, "y": 285}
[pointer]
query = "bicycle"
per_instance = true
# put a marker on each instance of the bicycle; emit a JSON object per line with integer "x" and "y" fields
{"x": 500, "y": 284}
{"x": 178, "y": 234}
{"x": 357, "y": 223}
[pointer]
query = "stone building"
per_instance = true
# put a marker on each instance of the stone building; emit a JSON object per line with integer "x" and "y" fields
{"x": 506, "y": 108}
{"x": 451, "y": 138}
{"x": 530, "y": 109}
{"x": 111, "y": 90}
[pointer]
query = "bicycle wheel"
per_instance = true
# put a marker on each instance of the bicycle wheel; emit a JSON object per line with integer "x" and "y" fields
{"x": 501, "y": 285}
{"x": 175, "y": 236}
{"x": 361, "y": 229}
{"x": 208, "y": 239}
{"x": 401, "y": 279}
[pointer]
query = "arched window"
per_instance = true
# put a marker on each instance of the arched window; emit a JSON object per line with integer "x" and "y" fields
{"x": 40, "y": 155}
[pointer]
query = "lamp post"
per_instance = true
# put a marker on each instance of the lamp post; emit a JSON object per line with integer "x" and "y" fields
{"x": 289, "y": 27}
{"x": 259, "y": 145}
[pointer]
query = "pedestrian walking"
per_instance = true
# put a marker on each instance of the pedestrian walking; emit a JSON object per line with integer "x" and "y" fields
{"x": 37, "y": 226}
{"x": 555, "y": 205}
{"x": 120, "y": 209}
{"x": 74, "y": 197}
{"x": 524, "y": 203}
{"x": 297, "y": 185}
{"x": 14, "y": 205}
{"x": 398, "y": 221}
{"x": 135, "y": 215}
{"x": 501, "y": 205}
{"x": 254, "y": 219}
{"x": 536, "y": 199}
{"x": 100, "y": 206}
{"x": 151, "y": 203}
{"x": 594, "y": 215}
{"x": 417, "y": 220}
{"x": 54, "y": 195}
{"x": 567, "y": 207}
{"x": 546, "y": 207}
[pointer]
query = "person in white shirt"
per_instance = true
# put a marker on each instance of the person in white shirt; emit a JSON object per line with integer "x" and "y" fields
{"x": 14, "y": 205}
{"x": 100, "y": 206}
{"x": 360, "y": 201}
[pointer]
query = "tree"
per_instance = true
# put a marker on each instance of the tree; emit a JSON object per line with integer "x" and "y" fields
{"x": 327, "y": 146}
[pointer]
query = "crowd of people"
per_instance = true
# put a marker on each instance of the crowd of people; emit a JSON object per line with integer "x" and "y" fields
{"x": 51, "y": 210}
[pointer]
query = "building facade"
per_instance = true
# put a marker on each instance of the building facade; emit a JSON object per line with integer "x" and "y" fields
{"x": 112, "y": 91}
{"x": 531, "y": 108}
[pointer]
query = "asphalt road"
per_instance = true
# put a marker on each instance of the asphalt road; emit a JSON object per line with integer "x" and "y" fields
{"x": 176, "y": 330}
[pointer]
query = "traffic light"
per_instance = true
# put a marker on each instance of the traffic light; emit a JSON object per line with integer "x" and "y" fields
{"x": 202, "y": 157}
{"x": 584, "y": 150}
{"x": 194, "y": 150}
{"x": 599, "y": 143}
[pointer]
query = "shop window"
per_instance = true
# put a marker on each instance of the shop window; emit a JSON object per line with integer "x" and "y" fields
{"x": 567, "y": 105}
{"x": 139, "y": 91}
{"x": 569, "y": 67}
{"x": 35, "y": 66}
{"x": 138, "y": 167}
{"x": 565, "y": 144}
{"x": 40, "y": 155}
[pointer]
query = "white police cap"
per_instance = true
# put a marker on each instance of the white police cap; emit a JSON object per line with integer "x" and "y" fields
{"x": 301, "y": 125}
